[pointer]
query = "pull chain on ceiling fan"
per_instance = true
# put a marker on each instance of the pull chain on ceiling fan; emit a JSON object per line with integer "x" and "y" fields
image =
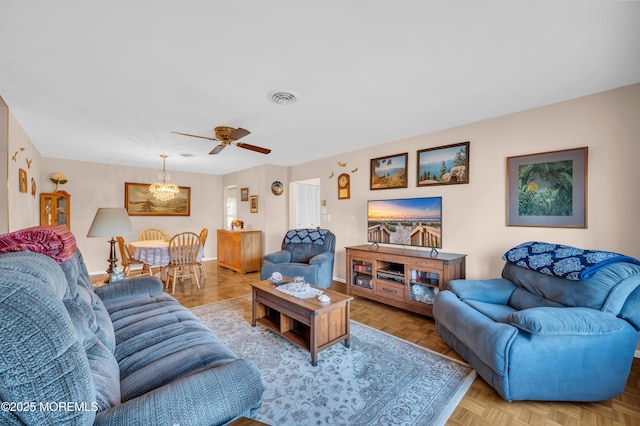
{"x": 227, "y": 136}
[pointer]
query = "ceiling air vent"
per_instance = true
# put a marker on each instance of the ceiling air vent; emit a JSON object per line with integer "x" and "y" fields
{"x": 282, "y": 97}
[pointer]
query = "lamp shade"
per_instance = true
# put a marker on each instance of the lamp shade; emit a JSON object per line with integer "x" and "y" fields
{"x": 110, "y": 222}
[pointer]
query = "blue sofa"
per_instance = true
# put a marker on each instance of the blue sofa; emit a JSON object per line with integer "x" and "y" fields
{"x": 557, "y": 326}
{"x": 304, "y": 252}
{"x": 124, "y": 354}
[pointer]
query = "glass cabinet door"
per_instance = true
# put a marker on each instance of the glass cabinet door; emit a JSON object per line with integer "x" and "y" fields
{"x": 61, "y": 211}
{"x": 47, "y": 209}
{"x": 424, "y": 285}
{"x": 362, "y": 273}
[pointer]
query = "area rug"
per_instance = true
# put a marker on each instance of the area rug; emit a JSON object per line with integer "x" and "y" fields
{"x": 379, "y": 380}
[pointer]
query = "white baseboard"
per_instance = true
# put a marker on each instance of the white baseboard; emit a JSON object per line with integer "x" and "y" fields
{"x": 637, "y": 355}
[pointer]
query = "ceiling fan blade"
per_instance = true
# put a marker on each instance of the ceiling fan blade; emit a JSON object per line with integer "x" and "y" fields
{"x": 238, "y": 133}
{"x": 195, "y": 136}
{"x": 253, "y": 148}
{"x": 217, "y": 149}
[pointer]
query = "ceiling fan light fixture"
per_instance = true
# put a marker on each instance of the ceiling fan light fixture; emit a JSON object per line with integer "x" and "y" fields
{"x": 282, "y": 97}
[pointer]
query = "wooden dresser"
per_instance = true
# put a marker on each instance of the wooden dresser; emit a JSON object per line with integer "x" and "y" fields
{"x": 240, "y": 251}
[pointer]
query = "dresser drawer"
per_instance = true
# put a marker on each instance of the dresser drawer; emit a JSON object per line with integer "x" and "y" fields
{"x": 389, "y": 290}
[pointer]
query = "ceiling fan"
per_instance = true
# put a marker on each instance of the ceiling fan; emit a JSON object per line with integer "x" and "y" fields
{"x": 227, "y": 136}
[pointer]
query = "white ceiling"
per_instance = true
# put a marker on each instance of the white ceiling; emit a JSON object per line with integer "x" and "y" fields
{"x": 107, "y": 81}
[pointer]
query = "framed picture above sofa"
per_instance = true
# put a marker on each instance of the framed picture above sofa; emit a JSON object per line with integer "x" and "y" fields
{"x": 548, "y": 189}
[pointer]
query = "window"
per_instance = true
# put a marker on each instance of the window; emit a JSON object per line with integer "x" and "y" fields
{"x": 232, "y": 205}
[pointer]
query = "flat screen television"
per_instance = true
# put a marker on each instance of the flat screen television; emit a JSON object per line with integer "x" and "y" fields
{"x": 406, "y": 221}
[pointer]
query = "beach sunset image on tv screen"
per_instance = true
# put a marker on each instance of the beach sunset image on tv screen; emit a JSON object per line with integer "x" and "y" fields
{"x": 407, "y": 221}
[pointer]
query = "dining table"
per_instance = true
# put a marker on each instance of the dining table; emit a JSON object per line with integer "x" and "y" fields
{"x": 155, "y": 253}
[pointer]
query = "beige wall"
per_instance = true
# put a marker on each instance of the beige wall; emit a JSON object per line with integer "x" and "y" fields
{"x": 23, "y": 208}
{"x": 4, "y": 164}
{"x": 272, "y": 215}
{"x": 474, "y": 214}
{"x": 94, "y": 185}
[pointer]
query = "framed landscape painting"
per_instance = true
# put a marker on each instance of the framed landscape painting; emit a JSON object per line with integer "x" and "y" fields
{"x": 444, "y": 165}
{"x": 139, "y": 201}
{"x": 389, "y": 172}
{"x": 548, "y": 189}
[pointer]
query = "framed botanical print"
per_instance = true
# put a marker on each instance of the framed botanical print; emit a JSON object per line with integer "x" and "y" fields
{"x": 548, "y": 189}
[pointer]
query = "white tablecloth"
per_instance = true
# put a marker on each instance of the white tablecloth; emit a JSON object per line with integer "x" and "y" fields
{"x": 155, "y": 253}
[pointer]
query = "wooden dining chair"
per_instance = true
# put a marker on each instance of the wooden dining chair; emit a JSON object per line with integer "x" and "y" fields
{"x": 127, "y": 261}
{"x": 151, "y": 234}
{"x": 183, "y": 258}
{"x": 203, "y": 238}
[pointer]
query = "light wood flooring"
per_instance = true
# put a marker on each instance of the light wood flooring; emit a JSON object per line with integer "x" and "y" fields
{"x": 481, "y": 405}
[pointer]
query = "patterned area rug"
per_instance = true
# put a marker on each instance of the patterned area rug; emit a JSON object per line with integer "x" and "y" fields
{"x": 380, "y": 380}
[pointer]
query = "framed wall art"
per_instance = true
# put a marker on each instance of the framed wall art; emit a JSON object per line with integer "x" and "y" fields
{"x": 389, "y": 172}
{"x": 244, "y": 194}
{"x": 23, "y": 180}
{"x": 548, "y": 189}
{"x": 139, "y": 201}
{"x": 443, "y": 165}
{"x": 253, "y": 204}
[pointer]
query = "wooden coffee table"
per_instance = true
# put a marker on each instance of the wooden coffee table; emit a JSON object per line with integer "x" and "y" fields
{"x": 307, "y": 323}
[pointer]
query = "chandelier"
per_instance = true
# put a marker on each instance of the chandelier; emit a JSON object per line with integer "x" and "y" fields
{"x": 163, "y": 191}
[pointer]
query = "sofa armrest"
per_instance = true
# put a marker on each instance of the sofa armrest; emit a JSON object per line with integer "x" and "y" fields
{"x": 553, "y": 321}
{"x": 321, "y": 258}
{"x": 495, "y": 290}
{"x": 282, "y": 256}
{"x": 212, "y": 396}
{"x": 489, "y": 340}
{"x": 130, "y": 287}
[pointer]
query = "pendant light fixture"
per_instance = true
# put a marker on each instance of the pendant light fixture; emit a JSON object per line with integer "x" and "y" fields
{"x": 163, "y": 191}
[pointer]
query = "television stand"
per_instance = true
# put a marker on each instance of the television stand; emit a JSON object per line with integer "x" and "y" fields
{"x": 405, "y": 278}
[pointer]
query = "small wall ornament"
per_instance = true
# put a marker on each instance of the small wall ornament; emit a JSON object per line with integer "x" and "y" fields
{"x": 58, "y": 178}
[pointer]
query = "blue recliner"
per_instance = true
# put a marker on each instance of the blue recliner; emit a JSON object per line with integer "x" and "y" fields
{"x": 560, "y": 325}
{"x": 305, "y": 252}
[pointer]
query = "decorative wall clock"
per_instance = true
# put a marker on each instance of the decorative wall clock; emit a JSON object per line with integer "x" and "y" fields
{"x": 277, "y": 187}
{"x": 344, "y": 187}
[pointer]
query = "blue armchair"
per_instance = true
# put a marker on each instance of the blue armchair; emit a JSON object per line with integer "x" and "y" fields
{"x": 560, "y": 325}
{"x": 305, "y": 252}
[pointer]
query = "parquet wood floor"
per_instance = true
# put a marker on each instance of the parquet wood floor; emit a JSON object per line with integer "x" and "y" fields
{"x": 481, "y": 405}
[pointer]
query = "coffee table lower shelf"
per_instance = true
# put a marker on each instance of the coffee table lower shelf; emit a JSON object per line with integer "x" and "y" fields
{"x": 307, "y": 323}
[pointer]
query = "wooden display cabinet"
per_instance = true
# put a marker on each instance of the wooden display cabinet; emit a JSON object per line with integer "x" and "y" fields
{"x": 405, "y": 278}
{"x": 240, "y": 250}
{"x": 55, "y": 209}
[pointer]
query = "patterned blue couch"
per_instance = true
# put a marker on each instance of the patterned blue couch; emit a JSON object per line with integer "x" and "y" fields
{"x": 124, "y": 354}
{"x": 561, "y": 324}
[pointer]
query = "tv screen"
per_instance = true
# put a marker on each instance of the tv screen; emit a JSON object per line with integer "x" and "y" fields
{"x": 406, "y": 221}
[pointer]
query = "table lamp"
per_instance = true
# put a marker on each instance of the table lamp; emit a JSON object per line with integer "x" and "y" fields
{"x": 111, "y": 222}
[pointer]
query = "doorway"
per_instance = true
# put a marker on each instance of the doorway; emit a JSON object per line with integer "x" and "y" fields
{"x": 305, "y": 203}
